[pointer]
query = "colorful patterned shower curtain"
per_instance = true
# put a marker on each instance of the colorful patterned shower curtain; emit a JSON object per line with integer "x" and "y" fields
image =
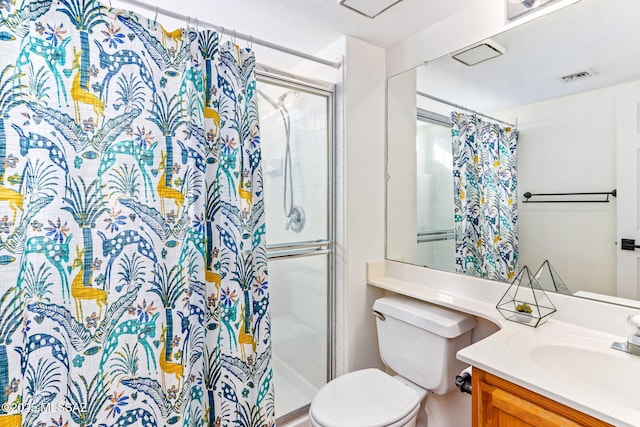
{"x": 133, "y": 268}
{"x": 486, "y": 216}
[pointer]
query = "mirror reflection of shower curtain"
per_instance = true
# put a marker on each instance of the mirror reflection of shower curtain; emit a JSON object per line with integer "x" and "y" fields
{"x": 485, "y": 180}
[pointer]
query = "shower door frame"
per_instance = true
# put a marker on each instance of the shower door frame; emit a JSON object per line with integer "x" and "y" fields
{"x": 314, "y": 247}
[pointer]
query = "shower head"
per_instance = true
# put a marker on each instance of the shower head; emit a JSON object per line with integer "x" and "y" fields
{"x": 280, "y": 102}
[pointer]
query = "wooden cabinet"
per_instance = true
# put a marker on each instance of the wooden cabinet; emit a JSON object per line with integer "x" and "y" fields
{"x": 500, "y": 403}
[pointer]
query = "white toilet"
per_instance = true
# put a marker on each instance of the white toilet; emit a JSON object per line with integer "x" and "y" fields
{"x": 418, "y": 341}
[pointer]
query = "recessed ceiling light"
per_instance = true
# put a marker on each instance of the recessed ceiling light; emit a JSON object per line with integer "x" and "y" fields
{"x": 369, "y": 8}
{"x": 478, "y": 53}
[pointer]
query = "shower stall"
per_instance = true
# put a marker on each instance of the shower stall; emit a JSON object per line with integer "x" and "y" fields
{"x": 296, "y": 128}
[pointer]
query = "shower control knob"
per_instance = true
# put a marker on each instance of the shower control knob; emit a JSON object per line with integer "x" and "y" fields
{"x": 296, "y": 219}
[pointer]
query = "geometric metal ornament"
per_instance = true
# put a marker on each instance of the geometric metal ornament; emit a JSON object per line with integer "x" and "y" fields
{"x": 525, "y": 301}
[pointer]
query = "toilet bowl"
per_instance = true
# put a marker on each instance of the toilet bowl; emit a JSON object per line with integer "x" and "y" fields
{"x": 418, "y": 341}
{"x": 368, "y": 397}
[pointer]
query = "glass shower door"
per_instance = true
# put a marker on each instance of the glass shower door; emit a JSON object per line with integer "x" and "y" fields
{"x": 295, "y": 125}
{"x": 435, "y": 202}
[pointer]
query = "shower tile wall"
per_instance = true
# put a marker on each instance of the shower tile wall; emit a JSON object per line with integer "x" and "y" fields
{"x": 299, "y": 286}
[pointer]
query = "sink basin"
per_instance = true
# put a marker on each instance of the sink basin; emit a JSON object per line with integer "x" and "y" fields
{"x": 582, "y": 362}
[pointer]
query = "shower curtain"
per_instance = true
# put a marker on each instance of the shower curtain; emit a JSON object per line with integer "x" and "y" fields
{"x": 134, "y": 285}
{"x": 485, "y": 180}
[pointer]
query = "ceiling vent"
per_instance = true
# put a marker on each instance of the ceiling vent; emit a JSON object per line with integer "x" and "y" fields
{"x": 581, "y": 75}
{"x": 478, "y": 53}
{"x": 369, "y": 8}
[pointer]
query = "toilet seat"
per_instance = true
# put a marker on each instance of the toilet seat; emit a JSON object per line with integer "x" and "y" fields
{"x": 368, "y": 397}
{"x": 402, "y": 423}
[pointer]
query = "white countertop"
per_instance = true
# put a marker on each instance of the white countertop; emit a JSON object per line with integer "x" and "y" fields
{"x": 592, "y": 325}
{"x": 495, "y": 354}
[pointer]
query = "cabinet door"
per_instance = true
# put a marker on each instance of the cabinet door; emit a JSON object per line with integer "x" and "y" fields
{"x": 513, "y": 411}
{"x": 499, "y": 403}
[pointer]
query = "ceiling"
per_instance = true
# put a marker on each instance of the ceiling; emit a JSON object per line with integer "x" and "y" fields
{"x": 598, "y": 36}
{"x": 310, "y": 25}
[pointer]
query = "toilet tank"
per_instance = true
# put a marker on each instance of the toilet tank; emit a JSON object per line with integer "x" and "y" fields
{"x": 419, "y": 341}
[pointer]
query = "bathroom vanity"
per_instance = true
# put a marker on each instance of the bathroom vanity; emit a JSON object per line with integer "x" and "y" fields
{"x": 498, "y": 402}
{"x": 562, "y": 373}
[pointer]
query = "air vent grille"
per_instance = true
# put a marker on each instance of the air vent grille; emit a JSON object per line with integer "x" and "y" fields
{"x": 576, "y": 76}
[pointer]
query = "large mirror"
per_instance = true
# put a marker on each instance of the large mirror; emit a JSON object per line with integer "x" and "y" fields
{"x": 567, "y": 87}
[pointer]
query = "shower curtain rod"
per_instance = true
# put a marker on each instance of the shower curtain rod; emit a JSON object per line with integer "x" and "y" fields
{"x": 233, "y": 33}
{"x": 460, "y": 107}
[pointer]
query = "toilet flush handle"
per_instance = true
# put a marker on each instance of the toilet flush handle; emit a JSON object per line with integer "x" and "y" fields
{"x": 378, "y": 315}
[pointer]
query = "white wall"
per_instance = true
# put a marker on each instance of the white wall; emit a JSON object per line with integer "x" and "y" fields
{"x": 361, "y": 204}
{"x": 568, "y": 144}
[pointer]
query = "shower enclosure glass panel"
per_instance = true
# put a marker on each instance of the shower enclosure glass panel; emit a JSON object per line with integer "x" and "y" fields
{"x": 435, "y": 204}
{"x": 295, "y": 127}
{"x": 296, "y": 173}
{"x": 298, "y": 329}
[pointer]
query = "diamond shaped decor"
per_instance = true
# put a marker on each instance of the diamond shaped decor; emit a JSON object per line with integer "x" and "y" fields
{"x": 550, "y": 280}
{"x": 525, "y": 301}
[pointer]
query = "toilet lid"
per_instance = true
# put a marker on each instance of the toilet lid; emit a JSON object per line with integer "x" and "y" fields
{"x": 368, "y": 397}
